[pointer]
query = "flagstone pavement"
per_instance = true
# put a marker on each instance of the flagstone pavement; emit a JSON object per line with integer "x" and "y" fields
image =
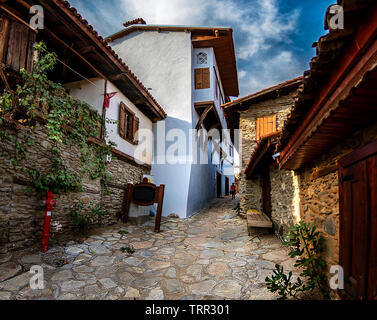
{"x": 208, "y": 256}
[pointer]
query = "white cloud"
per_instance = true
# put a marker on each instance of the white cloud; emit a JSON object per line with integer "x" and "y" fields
{"x": 256, "y": 27}
{"x": 282, "y": 67}
{"x": 261, "y": 30}
{"x": 168, "y": 11}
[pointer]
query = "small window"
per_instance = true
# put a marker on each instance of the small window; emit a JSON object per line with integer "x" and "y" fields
{"x": 128, "y": 124}
{"x": 202, "y": 78}
{"x": 265, "y": 125}
{"x": 201, "y": 58}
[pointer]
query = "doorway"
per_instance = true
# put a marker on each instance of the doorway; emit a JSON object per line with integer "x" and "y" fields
{"x": 226, "y": 186}
{"x": 266, "y": 192}
{"x": 358, "y": 222}
{"x": 219, "y": 184}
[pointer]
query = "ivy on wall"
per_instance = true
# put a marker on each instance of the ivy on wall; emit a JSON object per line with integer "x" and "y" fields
{"x": 67, "y": 121}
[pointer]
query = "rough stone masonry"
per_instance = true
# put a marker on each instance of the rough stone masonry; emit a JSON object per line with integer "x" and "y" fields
{"x": 22, "y": 214}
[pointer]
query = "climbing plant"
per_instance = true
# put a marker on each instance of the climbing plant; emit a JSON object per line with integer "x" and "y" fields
{"x": 83, "y": 216}
{"x": 306, "y": 244}
{"x": 67, "y": 121}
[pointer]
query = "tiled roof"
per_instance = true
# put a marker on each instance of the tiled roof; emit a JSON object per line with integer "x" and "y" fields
{"x": 264, "y": 93}
{"x": 106, "y": 47}
{"x": 329, "y": 48}
{"x": 260, "y": 150}
{"x": 135, "y": 21}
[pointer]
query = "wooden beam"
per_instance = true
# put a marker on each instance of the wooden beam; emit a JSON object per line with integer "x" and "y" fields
{"x": 3, "y": 7}
{"x": 358, "y": 59}
{"x": 203, "y": 116}
{"x": 69, "y": 48}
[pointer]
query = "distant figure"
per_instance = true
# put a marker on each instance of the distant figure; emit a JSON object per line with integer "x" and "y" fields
{"x": 233, "y": 191}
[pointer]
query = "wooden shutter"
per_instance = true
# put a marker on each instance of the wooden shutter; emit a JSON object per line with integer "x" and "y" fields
{"x": 198, "y": 78}
{"x": 18, "y": 46}
{"x": 4, "y": 37}
{"x": 202, "y": 78}
{"x": 122, "y": 120}
{"x": 136, "y": 129}
{"x": 265, "y": 125}
{"x": 206, "y": 78}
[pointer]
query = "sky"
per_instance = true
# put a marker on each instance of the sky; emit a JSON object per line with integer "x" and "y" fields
{"x": 273, "y": 38}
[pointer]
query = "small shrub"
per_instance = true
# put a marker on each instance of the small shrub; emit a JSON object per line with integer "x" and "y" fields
{"x": 306, "y": 244}
{"x": 84, "y": 216}
{"x": 129, "y": 250}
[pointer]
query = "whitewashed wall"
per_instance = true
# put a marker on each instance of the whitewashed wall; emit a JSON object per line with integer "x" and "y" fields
{"x": 145, "y": 128}
{"x": 162, "y": 61}
{"x": 94, "y": 95}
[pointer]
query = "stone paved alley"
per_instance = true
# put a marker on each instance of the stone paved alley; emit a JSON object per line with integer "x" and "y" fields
{"x": 209, "y": 256}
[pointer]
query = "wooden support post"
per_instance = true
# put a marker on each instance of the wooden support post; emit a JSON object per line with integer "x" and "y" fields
{"x": 127, "y": 202}
{"x": 160, "y": 199}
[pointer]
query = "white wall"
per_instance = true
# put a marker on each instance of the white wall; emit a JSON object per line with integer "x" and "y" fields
{"x": 162, "y": 61}
{"x": 145, "y": 128}
{"x": 91, "y": 93}
{"x": 94, "y": 95}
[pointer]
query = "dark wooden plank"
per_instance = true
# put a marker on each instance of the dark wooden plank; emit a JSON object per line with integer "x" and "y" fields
{"x": 372, "y": 266}
{"x": 23, "y": 44}
{"x": 30, "y": 51}
{"x": 5, "y": 25}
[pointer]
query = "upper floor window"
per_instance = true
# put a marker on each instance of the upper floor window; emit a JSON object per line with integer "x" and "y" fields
{"x": 201, "y": 58}
{"x": 265, "y": 125}
{"x": 128, "y": 124}
{"x": 202, "y": 78}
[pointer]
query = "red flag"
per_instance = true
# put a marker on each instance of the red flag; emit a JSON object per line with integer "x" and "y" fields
{"x": 106, "y": 100}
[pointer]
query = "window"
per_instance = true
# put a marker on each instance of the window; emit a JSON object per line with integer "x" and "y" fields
{"x": 202, "y": 79}
{"x": 201, "y": 58}
{"x": 265, "y": 125}
{"x": 128, "y": 124}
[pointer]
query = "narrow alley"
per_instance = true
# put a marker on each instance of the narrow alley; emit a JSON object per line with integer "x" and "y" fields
{"x": 208, "y": 256}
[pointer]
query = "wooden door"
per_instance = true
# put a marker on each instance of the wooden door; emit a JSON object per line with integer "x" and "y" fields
{"x": 226, "y": 186}
{"x": 358, "y": 225}
{"x": 266, "y": 193}
{"x": 218, "y": 182}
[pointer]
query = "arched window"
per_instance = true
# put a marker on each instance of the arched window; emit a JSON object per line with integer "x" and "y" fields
{"x": 201, "y": 58}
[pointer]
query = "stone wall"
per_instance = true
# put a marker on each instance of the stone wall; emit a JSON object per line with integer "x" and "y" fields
{"x": 319, "y": 193}
{"x": 250, "y": 190}
{"x": 22, "y": 214}
{"x": 284, "y": 199}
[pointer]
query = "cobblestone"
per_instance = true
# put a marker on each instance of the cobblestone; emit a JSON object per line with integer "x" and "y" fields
{"x": 208, "y": 256}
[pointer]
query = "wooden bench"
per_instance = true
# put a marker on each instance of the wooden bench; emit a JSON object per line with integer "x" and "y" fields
{"x": 258, "y": 222}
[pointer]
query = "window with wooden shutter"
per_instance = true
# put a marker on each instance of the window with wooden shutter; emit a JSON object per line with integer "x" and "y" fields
{"x": 265, "y": 125}
{"x": 136, "y": 129}
{"x": 128, "y": 124}
{"x": 121, "y": 124}
{"x": 202, "y": 78}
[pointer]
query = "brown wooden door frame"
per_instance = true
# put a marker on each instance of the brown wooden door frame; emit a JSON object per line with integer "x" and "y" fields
{"x": 359, "y": 167}
{"x": 227, "y": 186}
{"x": 218, "y": 184}
{"x": 266, "y": 192}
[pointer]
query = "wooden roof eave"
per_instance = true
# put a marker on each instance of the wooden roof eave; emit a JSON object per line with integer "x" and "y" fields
{"x": 264, "y": 146}
{"x": 224, "y": 41}
{"x": 61, "y": 10}
{"x": 359, "y": 59}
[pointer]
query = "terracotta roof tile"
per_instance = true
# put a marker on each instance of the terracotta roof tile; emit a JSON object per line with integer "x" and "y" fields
{"x": 109, "y": 49}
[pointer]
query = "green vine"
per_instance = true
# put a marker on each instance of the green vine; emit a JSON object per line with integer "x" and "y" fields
{"x": 306, "y": 245}
{"x": 68, "y": 120}
{"x": 85, "y": 216}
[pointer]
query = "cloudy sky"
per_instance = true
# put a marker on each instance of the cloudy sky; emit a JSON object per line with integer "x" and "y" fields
{"x": 273, "y": 38}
